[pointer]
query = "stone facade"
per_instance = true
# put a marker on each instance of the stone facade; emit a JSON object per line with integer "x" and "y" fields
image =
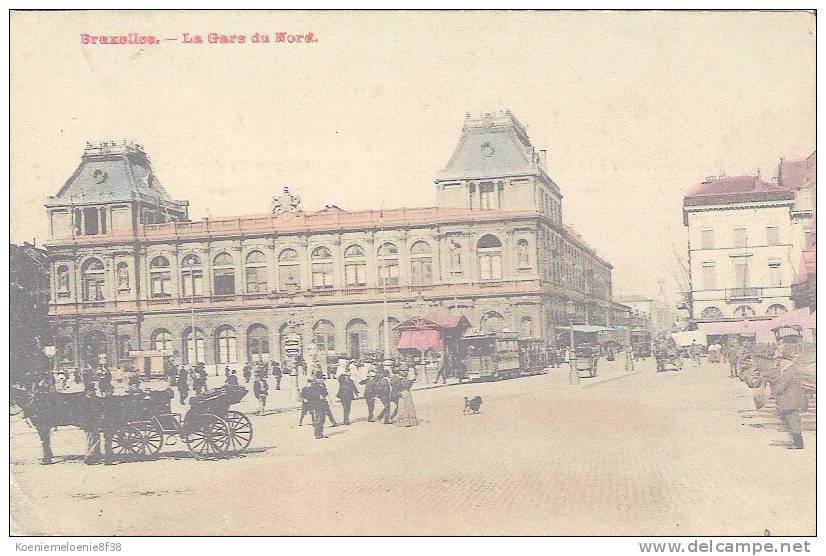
{"x": 332, "y": 277}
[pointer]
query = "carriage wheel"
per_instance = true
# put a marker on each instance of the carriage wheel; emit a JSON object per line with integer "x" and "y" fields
{"x": 207, "y": 436}
{"x": 127, "y": 441}
{"x": 240, "y": 431}
{"x": 14, "y": 409}
{"x": 151, "y": 440}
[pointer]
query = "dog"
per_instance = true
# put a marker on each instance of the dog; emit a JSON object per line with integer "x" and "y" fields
{"x": 472, "y": 405}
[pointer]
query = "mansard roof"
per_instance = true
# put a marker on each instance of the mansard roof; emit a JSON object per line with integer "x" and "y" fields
{"x": 735, "y": 189}
{"x": 492, "y": 145}
{"x": 112, "y": 172}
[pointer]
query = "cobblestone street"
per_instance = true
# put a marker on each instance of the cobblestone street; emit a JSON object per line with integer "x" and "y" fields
{"x": 626, "y": 454}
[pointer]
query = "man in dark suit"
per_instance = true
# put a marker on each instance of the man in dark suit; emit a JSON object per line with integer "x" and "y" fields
{"x": 371, "y": 389}
{"x": 347, "y": 392}
{"x": 790, "y": 398}
{"x": 277, "y": 373}
{"x": 385, "y": 394}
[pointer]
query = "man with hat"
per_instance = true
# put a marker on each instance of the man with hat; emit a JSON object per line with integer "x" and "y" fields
{"x": 327, "y": 410}
{"x": 370, "y": 392}
{"x": 347, "y": 392}
{"x": 788, "y": 393}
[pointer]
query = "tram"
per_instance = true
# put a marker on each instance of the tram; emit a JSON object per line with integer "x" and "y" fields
{"x": 501, "y": 355}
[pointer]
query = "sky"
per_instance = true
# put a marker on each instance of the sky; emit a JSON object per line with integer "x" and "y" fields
{"x": 633, "y": 108}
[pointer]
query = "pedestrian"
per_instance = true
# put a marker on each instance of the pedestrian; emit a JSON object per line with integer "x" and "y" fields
{"x": 695, "y": 352}
{"x": 247, "y": 372}
{"x": 227, "y": 372}
{"x": 199, "y": 383}
{"x": 277, "y": 373}
{"x": 385, "y": 395}
{"x": 370, "y": 392}
{"x": 307, "y": 402}
{"x": 788, "y": 393}
{"x": 328, "y": 411}
{"x": 406, "y": 410}
{"x": 95, "y": 423}
{"x": 317, "y": 395}
{"x": 347, "y": 392}
{"x": 105, "y": 381}
{"x": 183, "y": 385}
{"x": 441, "y": 361}
{"x": 341, "y": 369}
{"x": 134, "y": 386}
{"x": 232, "y": 378}
{"x": 733, "y": 354}
{"x": 260, "y": 388}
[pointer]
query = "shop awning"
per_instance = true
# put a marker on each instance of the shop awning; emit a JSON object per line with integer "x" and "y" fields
{"x": 421, "y": 340}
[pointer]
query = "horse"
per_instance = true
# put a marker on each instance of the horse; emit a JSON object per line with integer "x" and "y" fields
{"x": 94, "y": 414}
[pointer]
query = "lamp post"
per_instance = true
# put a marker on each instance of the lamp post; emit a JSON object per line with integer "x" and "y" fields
{"x": 573, "y": 373}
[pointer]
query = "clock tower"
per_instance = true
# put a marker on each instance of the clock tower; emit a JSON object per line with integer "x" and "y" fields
{"x": 495, "y": 167}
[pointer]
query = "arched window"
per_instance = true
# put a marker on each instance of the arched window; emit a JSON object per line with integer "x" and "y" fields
{"x": 161, "y": 340}
{"x": 223, "y": 272}
{"x": 256, "y": 267}
{"x": 258, "y": 343}
{"x": 493, "y": 322}
{"x": 356, "y": 338}
{"x": 93, "y": 280}
{"x": 225, "y": 346}
{"x": 744, "y": 312}
{"x": 355, "y": 266}
{"x": 489, "y": 250}
{"x": 192, "y": 276}
{"x": 393, "y": 337}
{"x": 421, "y": 264}
{"x": 324, "y": 337}
{"x": 322, "y": 268}
{"x": 776, "y": 309}
{"x": 711, "y": 313}
{"x": 160, "y": 278}
{"x": 63, "y": 281}
{"x": 123, "y": 277}
{"x": 289, "y": 270}
{"x": 194, "y": 346}
{"x": 388, "y": 259}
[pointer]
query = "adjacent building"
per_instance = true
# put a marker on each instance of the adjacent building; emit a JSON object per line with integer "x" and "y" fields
{"x": 654, "y": 315}
{"x": 745, "y": 239}
{"x": 129, "y": 270}
{"x": 28, "y": 309}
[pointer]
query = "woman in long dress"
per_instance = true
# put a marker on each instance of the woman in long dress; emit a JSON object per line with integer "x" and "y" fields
{"x": 406, "y": 416}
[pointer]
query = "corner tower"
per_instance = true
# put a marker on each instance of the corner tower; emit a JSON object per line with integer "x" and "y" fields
{"x": 495, "y": 167}
{"x": 112, "y": 191}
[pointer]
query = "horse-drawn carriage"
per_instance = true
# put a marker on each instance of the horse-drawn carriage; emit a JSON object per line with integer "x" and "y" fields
{"x": 140, "y": 424}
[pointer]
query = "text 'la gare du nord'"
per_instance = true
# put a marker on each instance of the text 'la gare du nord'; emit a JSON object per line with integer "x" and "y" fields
{"x": 207, "y": 38}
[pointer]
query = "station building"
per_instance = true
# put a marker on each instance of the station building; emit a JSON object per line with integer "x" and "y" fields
{"x": 131, "y": 272}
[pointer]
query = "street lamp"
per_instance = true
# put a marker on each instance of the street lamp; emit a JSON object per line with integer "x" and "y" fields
{"x": 573, "y": 373}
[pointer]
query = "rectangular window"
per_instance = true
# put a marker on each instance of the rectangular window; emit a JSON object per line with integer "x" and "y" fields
{"x": 772, "y": 235}
{"x": 322, "y": 275}
{"x": 741, "y": 273}
{"x": 707, "y": 239}
{"x": 256, "y": 279}
{"x": 355, "y": 274}
{"x": 288, "y": 276}
{"x": 487, "y": 199}
{"x": 161, "y": 284}
{"x": 709, "y": 276}
{"x": 739, "y": 237}
{"x": 775, "y": 273}
{"x": 192, "y": 283}
{"x": 390, "y": 270}
{"x": 490, "y": 266}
